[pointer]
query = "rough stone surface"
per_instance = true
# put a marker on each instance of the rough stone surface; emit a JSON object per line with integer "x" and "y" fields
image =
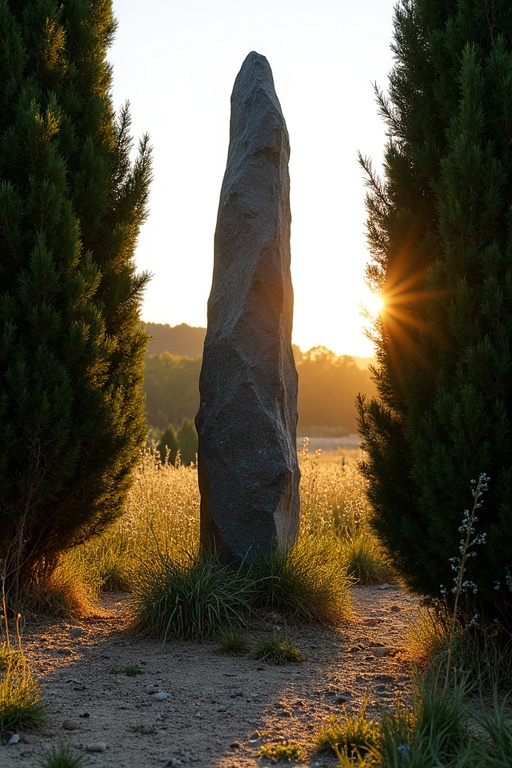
{"x": 247, "y": 459}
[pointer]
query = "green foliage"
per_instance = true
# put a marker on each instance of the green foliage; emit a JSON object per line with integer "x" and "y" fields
{"x": 168, "y": 446}
{"x": 364, "y": 560}
{"x": 285, "y": 751}
{"x": 182, "y": 340}
{"x": 187, "y": 441}
{"x": 439, "y": 229}
{"x": 233, "y": 642}
{"x": 194, "y": 597}
{"x": 309, "y": 582}
{"x": 71, "y": 342}
{"x": 184, "y": 441}
{"x": 435, "y": 732}
{"x": 62, "y": 756}
{"x": 21, "y": 705}
{"x": 131, "y": 671}
{"x": 144, "y": 730}
{"x": 328, "y": 385}
{"x": 497, "y": 724}
{"x": 278, "y": 648}
{"x": 171, "y": 384}
{"x": 352, "y": 734}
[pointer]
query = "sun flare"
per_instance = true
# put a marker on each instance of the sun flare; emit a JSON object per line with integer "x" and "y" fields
{"x": 373, "y": 303}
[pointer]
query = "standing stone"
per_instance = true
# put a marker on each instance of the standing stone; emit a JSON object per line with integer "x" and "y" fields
{"x": 247, "y": 457}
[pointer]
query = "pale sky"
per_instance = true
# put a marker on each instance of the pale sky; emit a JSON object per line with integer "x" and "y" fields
{"x": 176, "y": 62}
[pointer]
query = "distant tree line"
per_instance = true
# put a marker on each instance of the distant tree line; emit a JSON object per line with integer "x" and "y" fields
{"x": 182, "y": 442}
{"x": 180, "y": 339}
{"x": 171, "y": 383}
{"x": 328, "y": 385}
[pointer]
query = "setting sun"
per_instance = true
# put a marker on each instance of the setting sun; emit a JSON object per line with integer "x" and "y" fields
{"x": 373, "y": 303}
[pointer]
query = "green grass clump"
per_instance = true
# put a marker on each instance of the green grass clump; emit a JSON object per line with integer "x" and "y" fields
{"x": 21, "y": 705}
{"x": 278, "y": 649}
{"x": 144, "y": 730}
{"x": 435, "y": 732}
{"x": 364, "y": 560}
{"x": 284, "y": 751}
{"x": 192, "y": 598}
{"x": 308, "y": 583}
{"x": 349, "y": 735}
{"x": 62, "y": 757}
{"x": 233, "y": 642}
{"x": 130, "y": 671}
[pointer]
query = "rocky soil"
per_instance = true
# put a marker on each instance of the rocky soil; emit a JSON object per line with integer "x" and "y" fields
{"x": 194, "y": 706}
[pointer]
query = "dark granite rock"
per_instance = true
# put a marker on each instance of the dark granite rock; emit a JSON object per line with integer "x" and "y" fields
{"x": 247, "y": 460}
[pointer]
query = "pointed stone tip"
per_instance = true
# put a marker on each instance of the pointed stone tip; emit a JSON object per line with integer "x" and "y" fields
{"x": 255, "y": 58}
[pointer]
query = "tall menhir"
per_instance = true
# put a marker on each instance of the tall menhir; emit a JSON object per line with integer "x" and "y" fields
{"x": 247, "y": 460}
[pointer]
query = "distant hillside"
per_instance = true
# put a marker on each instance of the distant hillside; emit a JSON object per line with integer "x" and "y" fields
{"x": 188, "y": 341}
{"x": 184, "y": 340}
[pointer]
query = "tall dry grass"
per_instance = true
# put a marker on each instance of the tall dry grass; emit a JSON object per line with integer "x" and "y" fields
{"x": 333, "y": 500}
{"x": 162, "y": 520}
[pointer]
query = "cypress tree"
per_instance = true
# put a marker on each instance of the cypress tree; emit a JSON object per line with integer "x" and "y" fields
{"x": 71, "y": 342}
{"x": 168, "y": 446}
{"x": 440, "y": 234}
{"x": 187, "y": 440}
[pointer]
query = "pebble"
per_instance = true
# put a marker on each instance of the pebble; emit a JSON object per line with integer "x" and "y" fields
{"x": 174, "y": 763}
{"x": 234, "y": 692}
{"x": 160, "y": 696}
{"x": 235, "y": 745}
{"x": 96, "y": 746}
{"x": 70, "y": 725}
{"x": 383, "y": 651}
{"x": 76, "y": 632}
{"x": 14, "y": 738}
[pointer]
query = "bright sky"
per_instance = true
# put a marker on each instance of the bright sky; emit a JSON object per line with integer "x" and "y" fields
{"x": 176, "y": 62}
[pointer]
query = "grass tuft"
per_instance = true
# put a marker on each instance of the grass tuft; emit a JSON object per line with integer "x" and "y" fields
{"x": 21, "y": 705}
{"x": 349, "y": 735}
{"x": 194, "y": 599}
{"x": 364, "y": 560}
{"x": 130, "y": 671}
{"x": 278, "y": 649}
{"x": 286, "y": 750}
{"x": 62, "y": 757}
{"x": 233, "y": 642}
{"x": 308, "y": 583}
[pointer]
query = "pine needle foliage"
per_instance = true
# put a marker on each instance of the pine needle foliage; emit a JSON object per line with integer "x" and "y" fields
{"x": 71, "y": 342}
{"x": 440, "y": 234}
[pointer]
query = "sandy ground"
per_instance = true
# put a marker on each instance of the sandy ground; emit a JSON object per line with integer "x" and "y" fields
{"x": 211, "y": 710}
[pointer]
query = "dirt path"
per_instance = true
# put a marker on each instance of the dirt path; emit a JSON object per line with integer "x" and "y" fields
{"x": 213, "y": 711}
